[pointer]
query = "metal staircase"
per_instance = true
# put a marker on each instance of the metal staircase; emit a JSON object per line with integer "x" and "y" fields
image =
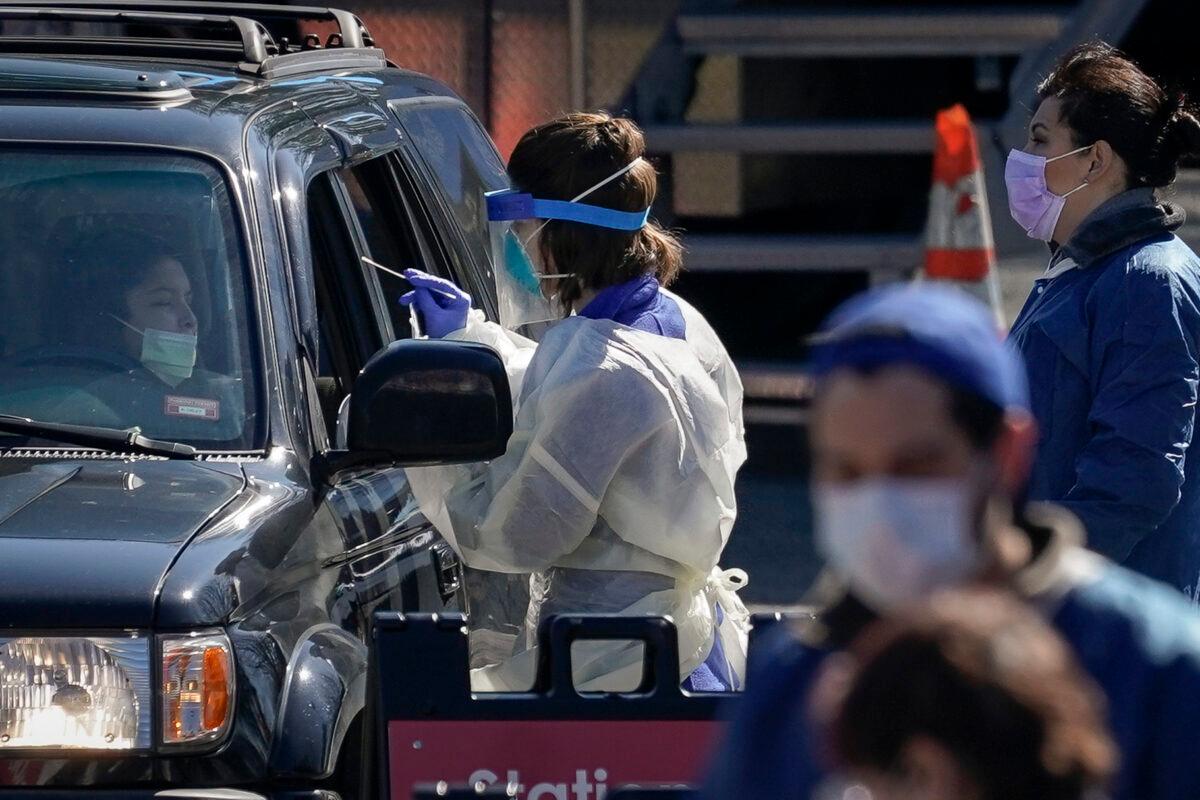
{"x": 797, "y": 140}
{"x": 809, "y": 125}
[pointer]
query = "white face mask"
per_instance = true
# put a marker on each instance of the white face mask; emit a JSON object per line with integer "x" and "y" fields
{"x": 897, "y": 540}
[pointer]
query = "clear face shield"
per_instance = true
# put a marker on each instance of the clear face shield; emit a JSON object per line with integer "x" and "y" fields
{"x": 518, "y": 280}
{"x": 514, "y": 221}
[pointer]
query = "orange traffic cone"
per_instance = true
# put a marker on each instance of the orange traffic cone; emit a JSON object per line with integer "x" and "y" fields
{"x": 958, "y": 234}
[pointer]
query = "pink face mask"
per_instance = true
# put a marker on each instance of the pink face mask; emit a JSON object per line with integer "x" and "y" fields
{"x": 1034, "y": 207}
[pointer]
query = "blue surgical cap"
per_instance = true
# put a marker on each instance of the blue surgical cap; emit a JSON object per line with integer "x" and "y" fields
{"x": 936, "y": 328}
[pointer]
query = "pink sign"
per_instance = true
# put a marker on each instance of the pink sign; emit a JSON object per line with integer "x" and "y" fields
{"x": 548, "y": 759}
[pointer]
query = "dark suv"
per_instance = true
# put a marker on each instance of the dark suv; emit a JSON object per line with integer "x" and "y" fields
{"x": 206, "y": 395}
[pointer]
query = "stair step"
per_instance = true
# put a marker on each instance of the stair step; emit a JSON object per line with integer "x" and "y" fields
{"x": 827, "y": 137}
{"x": 921, "y": 32}
{"x": 758, "y": 414}
{"x": 766, "y": 380}
{"x": 776, "y": 393}
{"x": 888, "y": 256}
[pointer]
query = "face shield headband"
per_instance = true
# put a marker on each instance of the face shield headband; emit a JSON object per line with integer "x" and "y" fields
{"x": 513, "y": 205}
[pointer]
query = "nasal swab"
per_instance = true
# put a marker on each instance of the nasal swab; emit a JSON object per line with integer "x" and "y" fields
{"x": 413, "y": 320}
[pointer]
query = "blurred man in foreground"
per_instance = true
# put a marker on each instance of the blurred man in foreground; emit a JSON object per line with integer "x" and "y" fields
{"x": 922, "y": 441}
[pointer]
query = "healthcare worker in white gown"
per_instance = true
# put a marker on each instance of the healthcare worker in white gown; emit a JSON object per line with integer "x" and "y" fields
{"x": 616, "y": 492}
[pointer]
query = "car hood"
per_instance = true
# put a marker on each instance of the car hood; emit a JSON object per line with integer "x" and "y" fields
{"x": 85, "y": 544}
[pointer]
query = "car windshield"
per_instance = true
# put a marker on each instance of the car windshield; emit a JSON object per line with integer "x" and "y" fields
{"x": 123, "y": 298}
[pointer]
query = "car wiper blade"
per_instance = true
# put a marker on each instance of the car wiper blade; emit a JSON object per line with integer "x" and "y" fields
{"x": 112, "y": 439}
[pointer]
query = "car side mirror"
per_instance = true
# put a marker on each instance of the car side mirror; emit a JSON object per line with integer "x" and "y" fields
{"x": 419, "y": 402}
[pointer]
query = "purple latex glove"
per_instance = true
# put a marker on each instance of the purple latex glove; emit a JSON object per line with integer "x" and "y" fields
{"x": 442, "y": 306}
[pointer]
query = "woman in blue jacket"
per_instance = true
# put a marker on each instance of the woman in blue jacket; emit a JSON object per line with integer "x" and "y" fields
{"x": 1111, "y": 331}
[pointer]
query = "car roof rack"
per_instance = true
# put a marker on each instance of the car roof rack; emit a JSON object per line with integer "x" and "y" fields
{"x": 249, "y": 41}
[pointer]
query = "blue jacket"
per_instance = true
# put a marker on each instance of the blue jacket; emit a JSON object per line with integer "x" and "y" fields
{"x": 1138, "y": 639}
{"x": 1111, "y": 346}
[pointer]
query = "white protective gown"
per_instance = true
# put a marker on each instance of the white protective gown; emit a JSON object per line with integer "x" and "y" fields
{"x": 616, "y": 492}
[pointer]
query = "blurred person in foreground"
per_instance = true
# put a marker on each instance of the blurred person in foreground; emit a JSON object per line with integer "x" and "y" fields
{"x": 922, "y": 440}
{"x": 971, "y": 697}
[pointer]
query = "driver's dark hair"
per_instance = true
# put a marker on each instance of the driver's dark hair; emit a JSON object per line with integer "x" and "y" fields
{"x": 559, "y": 160}
{"x": 110, "y": 263}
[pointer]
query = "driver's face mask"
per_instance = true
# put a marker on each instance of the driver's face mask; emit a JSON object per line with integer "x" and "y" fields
{"x": 518, "y": 280}
{"x": 171, "y": 356}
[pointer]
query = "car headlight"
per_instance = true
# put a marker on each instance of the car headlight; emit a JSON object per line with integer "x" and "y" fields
{"x": 197, "y": 688}
{"x": 75, "y": 692}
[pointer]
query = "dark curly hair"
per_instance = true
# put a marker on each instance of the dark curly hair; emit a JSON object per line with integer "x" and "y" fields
{"x": 1106, "y": 96}
{"x": 982, "y": 675}
{"x": 106, "y": 266}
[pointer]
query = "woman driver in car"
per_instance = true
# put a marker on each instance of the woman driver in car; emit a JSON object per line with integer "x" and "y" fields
{"x": 142, "y": 300}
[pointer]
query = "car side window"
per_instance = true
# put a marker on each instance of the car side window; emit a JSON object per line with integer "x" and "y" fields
{"x": 344, "y": 298}
{"x": 396, "y": 233}
{"x": 462, "y": 161}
